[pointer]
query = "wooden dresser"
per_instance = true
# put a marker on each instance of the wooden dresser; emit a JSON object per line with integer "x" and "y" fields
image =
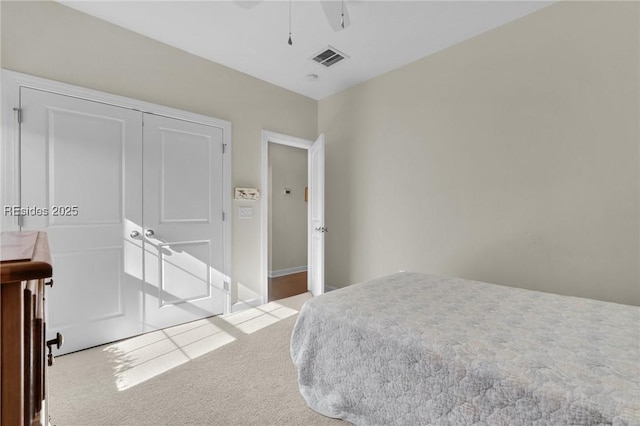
{"x": 25, "y": 264}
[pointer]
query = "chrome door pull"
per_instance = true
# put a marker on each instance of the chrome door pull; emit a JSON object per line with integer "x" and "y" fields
{"x": 134, "y": 234}
{"x": 149, "y": 233}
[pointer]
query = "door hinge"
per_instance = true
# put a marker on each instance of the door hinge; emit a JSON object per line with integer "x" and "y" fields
{"x": 19, "y": 111}
{"x": 224, "y": 148}
{"x": 225, "y": 285}
{"x": 223, "y": 216}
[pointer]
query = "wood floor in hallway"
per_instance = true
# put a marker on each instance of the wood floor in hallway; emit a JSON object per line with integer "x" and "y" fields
{"x": 287, "y": 286}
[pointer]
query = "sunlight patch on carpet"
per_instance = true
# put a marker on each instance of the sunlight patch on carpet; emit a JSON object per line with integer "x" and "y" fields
{"x": 254, "y": 319}
{"x": 141, "y": 358}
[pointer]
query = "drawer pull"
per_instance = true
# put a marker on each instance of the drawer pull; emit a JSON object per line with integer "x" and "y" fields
{"x": 49, "y": 283}
{"x": 58, "y": 341}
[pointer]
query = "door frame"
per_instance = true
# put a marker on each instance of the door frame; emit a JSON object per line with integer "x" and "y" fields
{"x": 12, "y": 81}
{"x": 281, "y": 139}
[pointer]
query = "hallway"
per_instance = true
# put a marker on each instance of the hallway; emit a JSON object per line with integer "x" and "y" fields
{"x": 287, "y": 286}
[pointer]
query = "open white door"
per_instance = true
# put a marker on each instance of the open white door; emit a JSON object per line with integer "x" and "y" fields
{"x": 317, "y": 227}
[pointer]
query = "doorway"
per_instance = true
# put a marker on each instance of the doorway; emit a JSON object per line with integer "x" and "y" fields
{"x": 315, "y": 228}
{"x": 287, "y": 249}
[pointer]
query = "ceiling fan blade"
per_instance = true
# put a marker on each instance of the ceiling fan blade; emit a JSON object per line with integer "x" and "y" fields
{"x": 247, "y": 4}
{"x": 333, "y": 10}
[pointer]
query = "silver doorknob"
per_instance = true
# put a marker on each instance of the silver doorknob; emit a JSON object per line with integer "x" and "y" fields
{"x": 134, "y": 234}
{"x": 149, "y": 233}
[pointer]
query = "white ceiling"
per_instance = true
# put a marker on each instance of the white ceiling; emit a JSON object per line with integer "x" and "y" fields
{"x": 251, "y": 36}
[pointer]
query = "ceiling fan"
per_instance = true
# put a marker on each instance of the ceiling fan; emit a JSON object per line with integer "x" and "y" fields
{"x": 336, "y": 12}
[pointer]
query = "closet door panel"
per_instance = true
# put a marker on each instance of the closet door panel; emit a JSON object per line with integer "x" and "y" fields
{"x": 183, "y": 211}
{"x": 81, "y": 182}
{"x": 185, "y": 196}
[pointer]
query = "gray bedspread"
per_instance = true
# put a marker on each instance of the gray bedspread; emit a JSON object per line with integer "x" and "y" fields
{"x": 414, "y": 349}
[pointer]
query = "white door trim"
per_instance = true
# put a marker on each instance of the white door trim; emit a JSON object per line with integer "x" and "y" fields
{"x": 281, "y": 139}
{"x": 11, "y": 82}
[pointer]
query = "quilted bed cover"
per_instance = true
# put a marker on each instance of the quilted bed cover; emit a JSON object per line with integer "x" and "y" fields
{"x": 414, "y": 349}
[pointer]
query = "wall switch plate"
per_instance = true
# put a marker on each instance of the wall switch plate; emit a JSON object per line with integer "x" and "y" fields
{"x": 245, "y": 212}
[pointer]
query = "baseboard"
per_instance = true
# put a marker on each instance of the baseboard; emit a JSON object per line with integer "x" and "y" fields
{"x": 283, "y": 272}
{"x": 243, "y": 305}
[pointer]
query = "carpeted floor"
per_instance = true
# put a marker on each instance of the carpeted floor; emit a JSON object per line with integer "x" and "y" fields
{"x": 233, "y": 370}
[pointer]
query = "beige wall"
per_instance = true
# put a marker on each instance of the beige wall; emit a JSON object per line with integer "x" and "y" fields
{"x": 52, "y": 41}
{"x": 510, "y": 158}
{"x": 287, "y": 213}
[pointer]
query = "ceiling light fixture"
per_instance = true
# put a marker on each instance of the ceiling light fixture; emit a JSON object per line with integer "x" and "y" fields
{"x": 312, "y": 77}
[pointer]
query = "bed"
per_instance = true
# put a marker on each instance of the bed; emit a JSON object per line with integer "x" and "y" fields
{"x": 415, "y": 349}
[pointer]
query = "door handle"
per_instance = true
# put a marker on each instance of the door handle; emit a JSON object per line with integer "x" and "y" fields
{"x": 149, "y": 233}
{"x": 134, "y": 234}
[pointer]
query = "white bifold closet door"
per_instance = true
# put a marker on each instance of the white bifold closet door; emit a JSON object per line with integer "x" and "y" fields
{"x": 133, "y": 211}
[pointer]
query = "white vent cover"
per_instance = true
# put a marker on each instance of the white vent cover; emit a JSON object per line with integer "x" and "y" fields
{"x": 329, "y": 56}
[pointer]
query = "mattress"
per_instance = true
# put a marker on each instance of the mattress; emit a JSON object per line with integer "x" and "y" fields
{"x": 414, "y": 349}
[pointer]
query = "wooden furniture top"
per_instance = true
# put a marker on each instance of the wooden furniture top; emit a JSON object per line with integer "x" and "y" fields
{"x": 24, "y": 256}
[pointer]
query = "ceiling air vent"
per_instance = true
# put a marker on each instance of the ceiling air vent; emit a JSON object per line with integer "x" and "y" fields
{"x": 329, "y": 56}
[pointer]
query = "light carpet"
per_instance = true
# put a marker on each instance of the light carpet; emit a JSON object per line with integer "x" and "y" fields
{"x": 227, "y": 370}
